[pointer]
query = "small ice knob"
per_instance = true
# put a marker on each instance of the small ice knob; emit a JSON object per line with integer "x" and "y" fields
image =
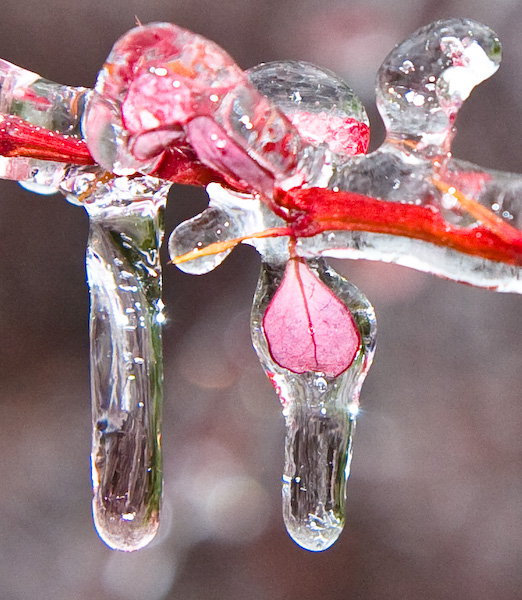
{"x": 424, "y": 80}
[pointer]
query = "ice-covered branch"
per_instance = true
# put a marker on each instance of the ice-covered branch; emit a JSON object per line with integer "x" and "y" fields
{"x": 281, "y": 149}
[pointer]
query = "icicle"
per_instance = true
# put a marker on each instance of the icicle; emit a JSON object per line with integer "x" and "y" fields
{"x": 314, "y": 335}
{"x": 320, "y": 407}
{"x": 124, "y": 273}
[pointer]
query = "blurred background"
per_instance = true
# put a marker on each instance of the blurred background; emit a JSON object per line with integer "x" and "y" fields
{"x": 435, "y": 497}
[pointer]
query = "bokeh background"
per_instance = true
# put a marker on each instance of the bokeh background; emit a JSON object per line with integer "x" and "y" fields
{"x": 435, "y": 497}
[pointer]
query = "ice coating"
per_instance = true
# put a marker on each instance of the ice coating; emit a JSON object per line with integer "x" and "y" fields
{"x": 318, "y": 103}
{"x": 483, "y": 243}
{"x": 125, "y": 106}
{"x": 311, "y": 98}
{"x": 162, "y": 85}
{"x": 276, "y": 148}
{"x": 421, "y": 86}
{"x": 410, "y": 201}
{"x": 40, "y": 102}
{"x": 319, "y": 411}
{"x": 40, "y": 130}
{"x": 39, "y": 127}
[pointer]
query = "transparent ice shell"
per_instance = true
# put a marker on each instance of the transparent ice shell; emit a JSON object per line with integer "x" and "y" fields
{"x": 39, "y": 101}
{"x": 297, "y": 88}
{"x": 421, "y": 86}
{"x": 42, "y": 103}
{"x": 323, "y": 108}
{"x": 424, "y": 80}
{"x": 163, "y": 86}
{"x": 320, "y": 413}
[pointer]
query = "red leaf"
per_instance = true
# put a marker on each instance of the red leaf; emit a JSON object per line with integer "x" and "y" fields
{"x": 307, "y": 327}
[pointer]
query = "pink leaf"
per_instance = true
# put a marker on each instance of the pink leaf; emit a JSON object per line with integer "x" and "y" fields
{"x": 215, "y": 149}
{"x": 307, "y": 327}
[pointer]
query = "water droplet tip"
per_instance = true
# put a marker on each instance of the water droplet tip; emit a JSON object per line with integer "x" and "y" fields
{"x": 314, "y": 540}
{"x": 127, "y": 532}
{"x": 315, "y": 533}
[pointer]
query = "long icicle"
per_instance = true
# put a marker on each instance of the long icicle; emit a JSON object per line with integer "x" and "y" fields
{"x": 124, "y": 276}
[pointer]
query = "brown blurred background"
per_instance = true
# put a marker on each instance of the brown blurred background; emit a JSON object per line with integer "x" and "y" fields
{"x": 435, "y": 498}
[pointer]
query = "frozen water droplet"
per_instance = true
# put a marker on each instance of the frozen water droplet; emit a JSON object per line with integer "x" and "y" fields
{"x": 321, "y": 384}
{"x": 319, "y": 416}
{"x": 319, "y": 103}
{"x": 199, "y": 232}
{"x": 407, "y": 67}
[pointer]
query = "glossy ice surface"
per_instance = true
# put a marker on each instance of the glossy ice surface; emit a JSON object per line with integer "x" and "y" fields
{"x": 281, "y": 149}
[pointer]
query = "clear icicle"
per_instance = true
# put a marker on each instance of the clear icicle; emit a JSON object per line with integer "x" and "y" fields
{"x": 320, "y": 414}
{"x": 124, "y": 273}
{"x": 318, "y": 448}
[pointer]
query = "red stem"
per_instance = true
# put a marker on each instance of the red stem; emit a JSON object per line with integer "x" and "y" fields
{"x": 18, "y": 138}
{"x": 307, "y": 211}
{"x": 315, "y": 210}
